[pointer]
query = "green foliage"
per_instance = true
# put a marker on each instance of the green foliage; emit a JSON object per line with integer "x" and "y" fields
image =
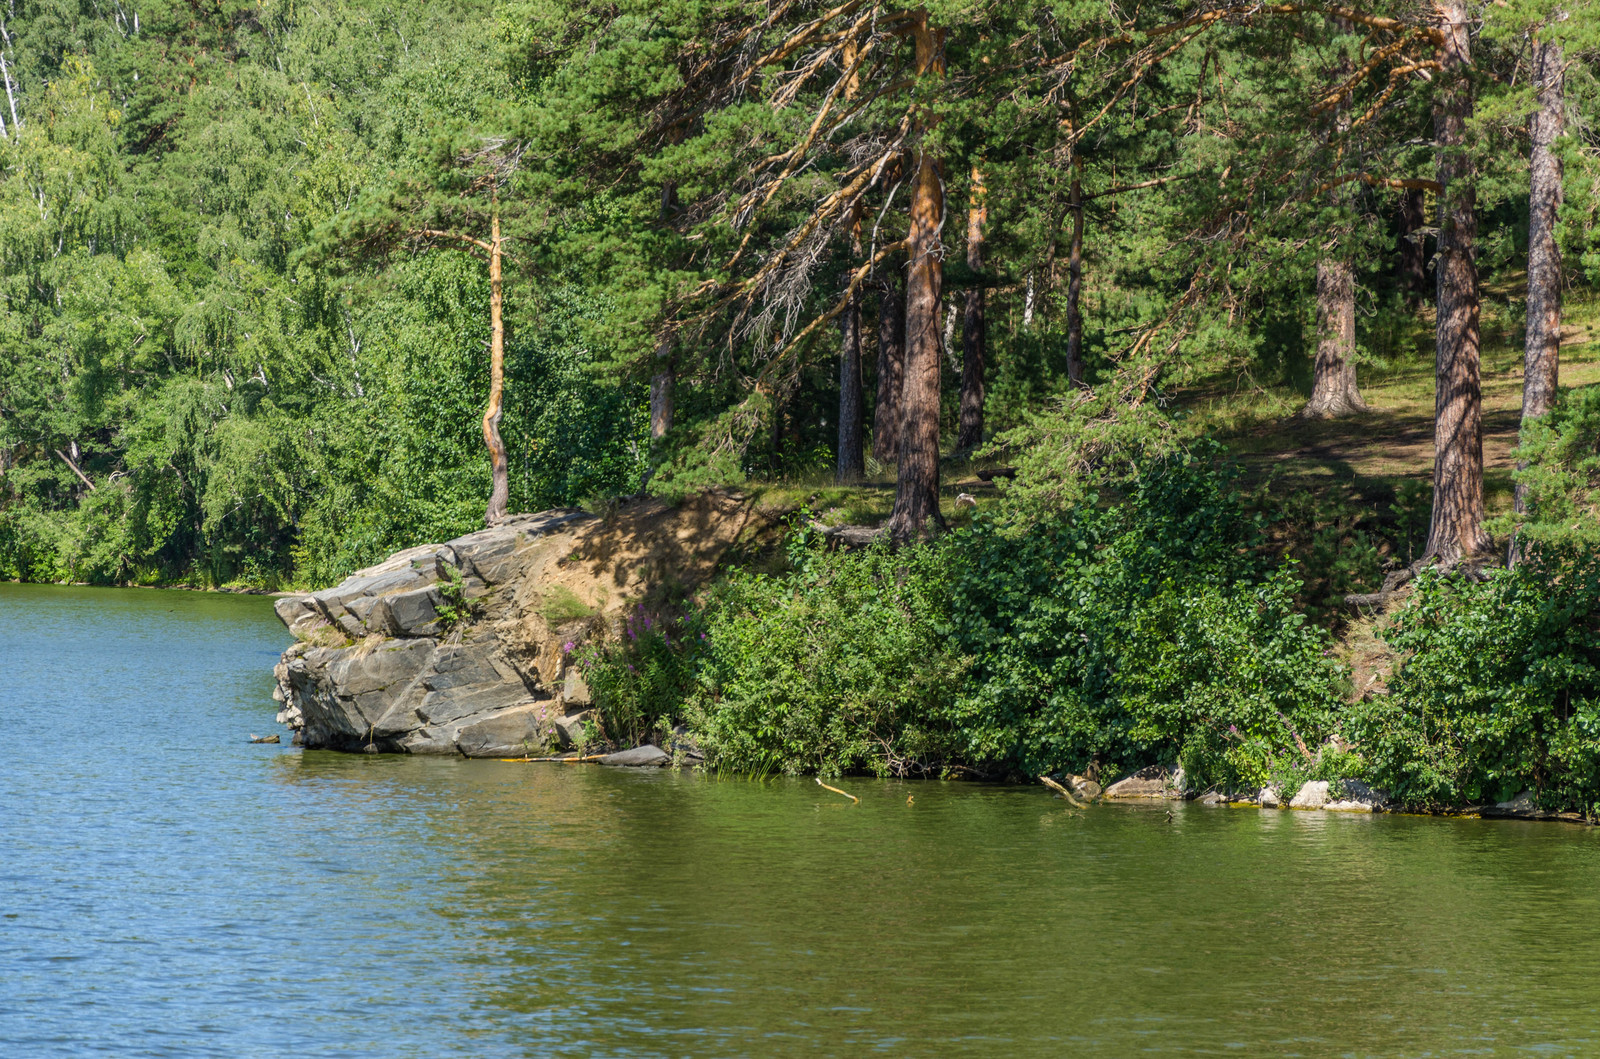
{"x": 1338, "y": 544}
{"x": 456, "y": 608}
{"x": 641, "y": 682}
{"x": 562, "y": 605}
{"x": 1499, "y": 690}
{"x": 1134, "y": 633}
{"x": 840, "y": 666}
{"x": 1562, "y": 476}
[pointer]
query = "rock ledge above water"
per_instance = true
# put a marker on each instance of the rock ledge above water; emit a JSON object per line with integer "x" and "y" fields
{"x": 467, "y": 647}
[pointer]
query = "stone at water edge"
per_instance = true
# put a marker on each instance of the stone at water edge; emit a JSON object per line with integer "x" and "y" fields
{"x": 1312, "y": 795}
{"x": 519, "y": 731}
{"x": 1269, "y": 798}
{"x": 263, "y": 738}
{"x": 639, "y": 757}
{"x": 1151, "y": 782}
{"x": 1358, "y": 798}
{"x": 375, "y": 669}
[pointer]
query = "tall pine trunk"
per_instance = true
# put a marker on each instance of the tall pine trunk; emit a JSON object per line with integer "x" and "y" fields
{"x": 1333, "y": 385}
{"x": 1075, "y": 275}
{"x": 974, "y": 336}
{"x": 916, "y": 498}
{"x": 1412, "y": 271}
{"x": 1542, "y": 352}
{"x": 891, "y": 370}
{"x": 852, "y": 464}
{"x": 499, "y": 467}
{"x": 1456, "y": 532}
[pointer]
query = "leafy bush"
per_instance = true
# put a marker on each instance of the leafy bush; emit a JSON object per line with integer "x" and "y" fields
{"x": 640, "y": 682}
{"x": 1501, "y": 689}
{"x": 1562, "y": 452}
{"x": 839, "y": 666}
{"x": 1136, "y": 633}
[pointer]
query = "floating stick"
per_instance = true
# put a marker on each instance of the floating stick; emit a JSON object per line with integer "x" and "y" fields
{"x": 836, "y": 790}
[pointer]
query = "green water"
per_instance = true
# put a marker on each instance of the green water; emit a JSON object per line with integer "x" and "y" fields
{"x": 168, "y": 889}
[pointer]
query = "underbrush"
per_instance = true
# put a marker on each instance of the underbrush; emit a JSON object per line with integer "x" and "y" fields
{"x": 1499, "y": 691}
{"x": 1107, "y": 636}
{"x": 1156, "y": 616}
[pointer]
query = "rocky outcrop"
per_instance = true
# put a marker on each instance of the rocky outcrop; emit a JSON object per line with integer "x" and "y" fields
{"x": 469, "y": 646}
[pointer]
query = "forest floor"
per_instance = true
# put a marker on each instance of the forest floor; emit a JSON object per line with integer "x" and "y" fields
{"x": 1376, "y": 452}
{"x": 1371, "y": 459}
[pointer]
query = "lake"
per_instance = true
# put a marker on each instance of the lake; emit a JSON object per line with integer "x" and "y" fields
{"x": 169, "y": 889}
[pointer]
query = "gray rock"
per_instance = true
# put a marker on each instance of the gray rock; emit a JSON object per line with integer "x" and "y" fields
{"x": 513, "y": 732}
{"x": 1522, "y": 807}
{"x": 1151, "y": 782}
{"x": 1313, "y": 795}
{"x": 299, "y": 615}
{"x": 411, "y": 613}
{"x": 1358, "y": 797}
{"x": 574, "y": 689}
{"x": 639, "y": 757}
{"x": 571, "y": 730}
{"x": 1269, "y": 798}
{"x": 399, "y": 682}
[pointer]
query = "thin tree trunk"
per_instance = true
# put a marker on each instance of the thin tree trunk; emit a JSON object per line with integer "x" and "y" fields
{"x": 1333, "y": 383}
{"x": 1413, "y": 270}
{"x": 661, "y": 386}
{"x": 1456, "y": 531}
{"x": 1542, "y": 352}
{"x": 1027, "y": 304}
{"x": 852, "y": 465}
{"x": 916, "y": 500}
{"x": 1075, "y": 275}
{"x": 974, "y": 336}
{"x": 891, "y": 370}
{"x": 500, "y": 493}
{"x": 1541, "y": 363}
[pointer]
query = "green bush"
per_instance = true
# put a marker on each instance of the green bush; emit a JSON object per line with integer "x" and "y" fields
{"x": 1137, "y": 633}
{"x": 1141, "y": 632}
{"x": 840, "y": 666}
{"x": 1500, "y": 691}
{"x": 641, "y": 681}
{"x": 1561, "y": 450}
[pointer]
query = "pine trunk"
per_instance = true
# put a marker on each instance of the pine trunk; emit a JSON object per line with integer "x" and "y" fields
{"x": 852, "y": 462}
{"x": 891, "y": 371}
{"x": 1542, "y": 353}
{"x": 661, "y": 386}
{"x": 499, "y": 467}
{"x": 1413, "y": 269}
{"x": 974, "y": 336}
{"x": 1456, "y": 532}
{"x": 1333, "y": 385}
{"x": 1075, "y": 276}
{"x": 916, "y": 499}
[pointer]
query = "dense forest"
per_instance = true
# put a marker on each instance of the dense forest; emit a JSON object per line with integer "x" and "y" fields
{"x": 287, "y": 286}
{"x": 264, "y": 262}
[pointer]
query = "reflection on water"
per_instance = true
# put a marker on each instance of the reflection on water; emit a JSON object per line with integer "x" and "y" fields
{"x": 169, "y": 889}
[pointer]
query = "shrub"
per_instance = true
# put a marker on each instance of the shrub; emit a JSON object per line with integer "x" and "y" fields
{"x": 640, "y": 682}
{"x": 1134, "y": 634}
{"x": 839, "y": 666}
{"x": 1561, "y": 450}
{"x": 1501, "y": 689}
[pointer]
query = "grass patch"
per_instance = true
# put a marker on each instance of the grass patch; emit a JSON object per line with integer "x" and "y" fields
{"x": 562, "y": 605}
